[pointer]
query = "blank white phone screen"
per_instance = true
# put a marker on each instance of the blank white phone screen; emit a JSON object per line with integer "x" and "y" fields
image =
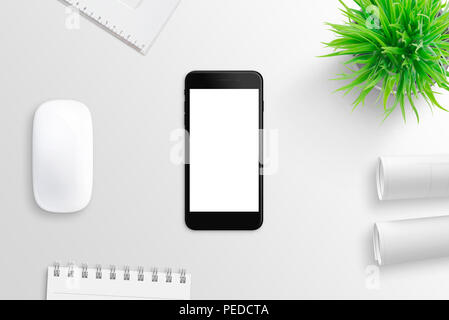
{"x": 224, "y": 150}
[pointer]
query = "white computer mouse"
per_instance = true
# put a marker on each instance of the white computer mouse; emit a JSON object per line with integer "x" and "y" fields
{"x": 62, "y": 156}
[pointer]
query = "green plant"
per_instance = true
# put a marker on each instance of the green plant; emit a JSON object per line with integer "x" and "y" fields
{"x": 400, "y": 45}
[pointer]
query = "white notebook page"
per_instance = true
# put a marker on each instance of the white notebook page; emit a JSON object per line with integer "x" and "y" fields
{"x": 62, "y": 286}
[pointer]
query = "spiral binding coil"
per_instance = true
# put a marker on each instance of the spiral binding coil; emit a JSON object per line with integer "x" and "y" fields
{"x": 140, "y": 274}
{"x": 56, "y": 270}
{"x": 99, "y": 273}
{"x": 154, "y": 277}
{"x": 71, "y": 271}
{"x": 183, "y": 276}
{"x": 84, "y": 271}
{"x": 112, "y": 274}
{"x": 126, "y": 274}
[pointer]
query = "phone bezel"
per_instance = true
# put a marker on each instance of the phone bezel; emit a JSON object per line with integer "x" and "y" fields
{"x": 223, "y": 220}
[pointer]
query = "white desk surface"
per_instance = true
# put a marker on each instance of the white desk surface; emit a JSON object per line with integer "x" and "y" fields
{"x": 319, "y": 208}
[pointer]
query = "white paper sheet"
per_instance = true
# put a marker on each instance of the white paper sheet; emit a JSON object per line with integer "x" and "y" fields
{"x": 410, "y": 240}
{"x": 406, "y": 177}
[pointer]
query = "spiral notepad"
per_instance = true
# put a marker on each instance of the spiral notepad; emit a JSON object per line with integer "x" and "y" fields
{"x": 135, "y": 22}
{"x": 73, "y": 282}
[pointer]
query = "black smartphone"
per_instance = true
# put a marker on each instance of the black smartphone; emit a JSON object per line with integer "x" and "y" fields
{"x": 224, "y": 156}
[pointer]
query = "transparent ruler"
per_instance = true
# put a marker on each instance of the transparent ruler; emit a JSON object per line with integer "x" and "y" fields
{"x": 135, "y": 22}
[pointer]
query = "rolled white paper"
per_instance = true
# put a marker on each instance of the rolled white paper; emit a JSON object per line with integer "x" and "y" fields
{"x": 409, "y": 240}
{"x": 406, "y": 177}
